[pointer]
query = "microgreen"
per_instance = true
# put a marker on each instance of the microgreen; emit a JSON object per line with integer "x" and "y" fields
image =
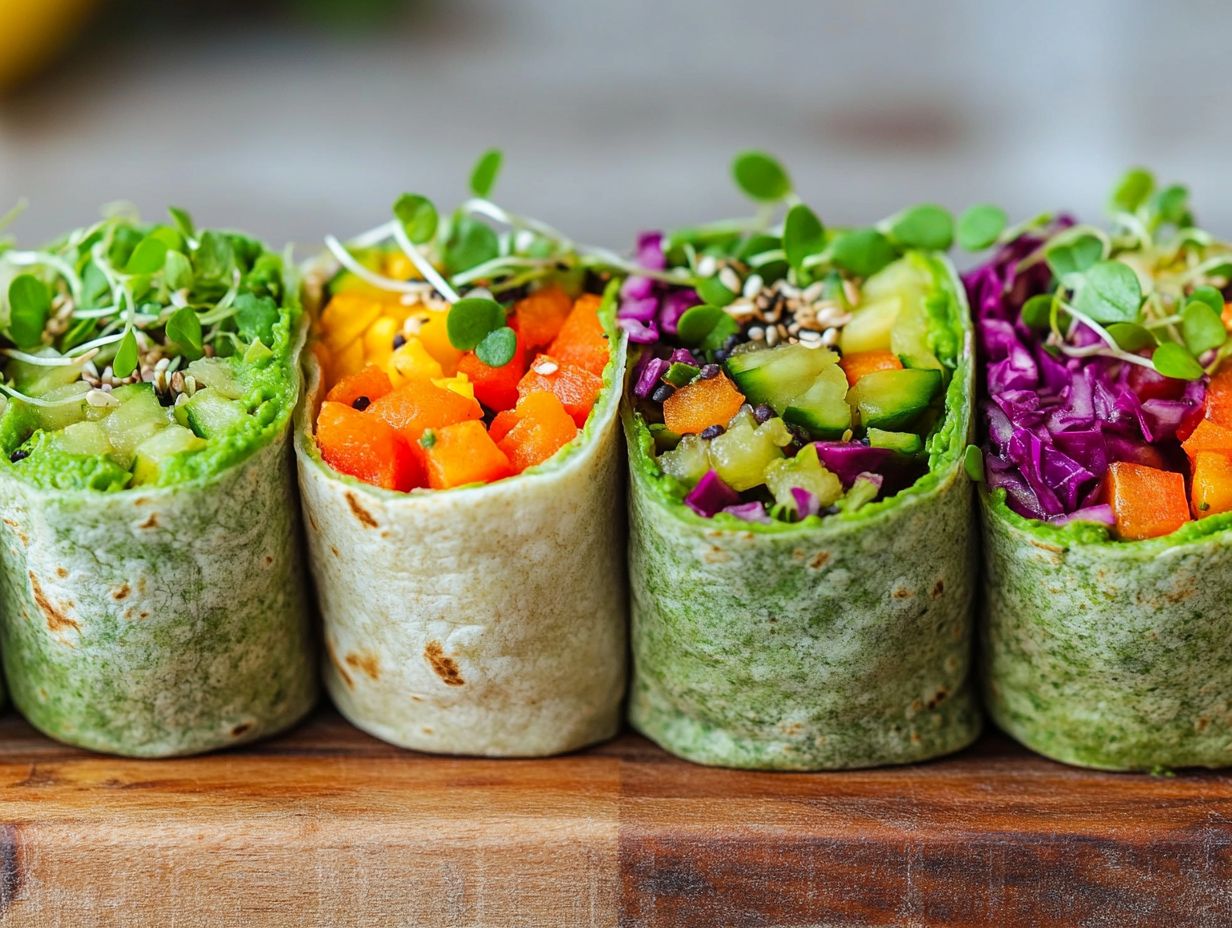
{"x": 1109, "y": 292}
{"x": 927, "y": 226}
{"x": 1037, "y": 311}
{"x": 803, "y": 236}
{"x": 1073, "y": 254}
{"x": 127, "y": 356}
{"x": 418, "y": 217}
{"x": 980, "y": 226}
{"x": 470, "y": 243}
{"x": 184, "y": 328}
{"x": 497, "y": 347}
{"x": 1201, "y": 327}
{"x": 182, "y": 221}
{"x": 471, "y": 320}
{"x": 1210, "y": 296}
{"x": 862, "y": 252}
{"x": 1132, "y": 190}
{"x": 973, "y": 463}
{"x": 485, "y": 171}
{"x": 29, "y": 307}
{"x": 177, "y": 271}
{"x": 1174, "y": 360}
{"x": 1130, "y": 336}
{"x": 713, "y": 292}
{"x": 698, "y": 322}
{"x": 761, "y": 177}
{"x": 147, "y": 257}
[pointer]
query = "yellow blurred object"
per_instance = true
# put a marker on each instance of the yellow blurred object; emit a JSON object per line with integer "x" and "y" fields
{"x": 412, "y": 362}
{"x": 435, "y": 337}
{"x": 398, "y": 266}
{"x": 349, "y": 360}
{"x": 379, "y": 340}
{"x": 347, "y": 318}
{"x": 459, "y": 384}
{"x": 33, "y": 31}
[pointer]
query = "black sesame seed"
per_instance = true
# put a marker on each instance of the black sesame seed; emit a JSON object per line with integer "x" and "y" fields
{"x": 732, "y": 342}
{"x": 708, "y": 371}
{"x": 662, "y": 392}
{"x": 361, "y": 403}
{"x": 399, "y": 341}
{"x": 712, "y": 431}
{"x": 763, "y": 413}
{"x": 19, "y": 455}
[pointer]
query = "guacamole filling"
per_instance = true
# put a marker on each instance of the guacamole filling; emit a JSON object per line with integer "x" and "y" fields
{"x": 139, "y": 355}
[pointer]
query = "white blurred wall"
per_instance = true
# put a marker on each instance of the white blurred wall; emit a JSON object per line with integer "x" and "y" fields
{"x": 618, "y": 116}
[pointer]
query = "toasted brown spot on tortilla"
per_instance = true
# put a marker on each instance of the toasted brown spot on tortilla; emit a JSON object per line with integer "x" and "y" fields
{"x": 57, "y": 621}
{"x": 333, "y": 659}
{"x": 121, "y": 592}
{"x": 61, "y": 572}
{"x": 11, "y": 523}
{"x": 141, "y": 501}
{"x": 313, "y": 523}
{"x": 791, "y": 728}
{"x": 269, "y": 560}
{"x": 938, "y": 697}
{"x": 143, "y": 615}
{"x": 150, "y": 522}
{"x": 1201, "y": 723}
{"x": 334, "y": 548}
{"x": 1046, "y": 546}
{"x": 901, "y": 592}
{"x": 366, "y": 662}
{"x": 819, "y": 560}
{"x": 427, "y": 729}
{"x": 361, "y": 513}
{"x": 938, "y": 589}
{"x": 445, "y": 666}
{"x": 241, "y": 729}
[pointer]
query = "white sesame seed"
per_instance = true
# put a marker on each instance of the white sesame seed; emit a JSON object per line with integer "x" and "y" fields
{"x": 829, "y": 337}
{"x": 852, "y": 292}
{"x": 772, "y": 336}
{"x": 757, "y": 333}
{"x": 181, "y": 399}
{"x": 101, "y": 398}
{"x": 813, "y": 292}
{"x": 753, "y": 286}
{"x": 730, "y": 279}
{"x": 707, "y": 266}
{"x": 546, "y": 367}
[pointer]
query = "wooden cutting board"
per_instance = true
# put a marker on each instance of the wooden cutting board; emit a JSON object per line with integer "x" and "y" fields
{"x": 328, "y": 827}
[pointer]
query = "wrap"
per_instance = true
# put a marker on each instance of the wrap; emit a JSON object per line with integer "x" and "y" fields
{"x": 487, "y": 620}
{"x": 810, "y": 646}
{"x": 1104, "y": 653}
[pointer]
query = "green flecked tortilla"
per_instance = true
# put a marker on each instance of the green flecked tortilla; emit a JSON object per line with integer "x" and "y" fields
{"x": 483, "y": 620}
{"x": 1105, "y": 653}
{"x": 832, "y": 643}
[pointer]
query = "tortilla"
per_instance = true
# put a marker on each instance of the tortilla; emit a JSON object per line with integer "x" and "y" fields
{"x": 483, "y": 620}
{"x": 816, "y": 645}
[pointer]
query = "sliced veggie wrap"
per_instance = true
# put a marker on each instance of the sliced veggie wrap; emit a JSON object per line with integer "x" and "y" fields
{"x": 485, "y": 620}
{"x": 1107, "y": 494}
{"x": 840, "y": 640}
{"x": 151, "y": 589}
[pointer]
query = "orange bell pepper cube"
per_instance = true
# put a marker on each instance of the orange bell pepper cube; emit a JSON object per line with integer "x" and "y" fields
{"x": 1146, "y": 502}
{"x": 371, "y": 382}
{"x": 1211, "y": 492}
{"x": 422, "y": 405}
{"x": 359, "y": 444}
{"x": 576, "y": 388}
{"x": 1219, "y": 397}
{"x": 462, "y": 453}
{"x": 859, "y": 363}
{"x": 1208, "y": 436}
{"x": 582, "y": 341}
{"x": 502, "y": 423}
{"x": 495, "y": 387}
{"x": 541, "y": 315}
{"x": 542, "y": 429}
{"x": 701, "y": 404}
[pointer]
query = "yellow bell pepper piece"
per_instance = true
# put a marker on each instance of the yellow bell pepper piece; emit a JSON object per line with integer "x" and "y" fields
{"x": 379, "y": 340}
{"x": 397, "y": 265}
{"x": 435, "y": 338}
{"x": 412, "y": 362}
{"x": 348, "y": 361}
{"x": 345, "y": 319}
{"x": 459, "y": 384}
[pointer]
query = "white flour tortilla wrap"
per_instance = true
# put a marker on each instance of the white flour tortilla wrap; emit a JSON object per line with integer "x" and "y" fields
{"x": 487, "y": 620}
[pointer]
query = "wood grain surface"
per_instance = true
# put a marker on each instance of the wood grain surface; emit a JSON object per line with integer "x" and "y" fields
{"x": 328, "y": 827}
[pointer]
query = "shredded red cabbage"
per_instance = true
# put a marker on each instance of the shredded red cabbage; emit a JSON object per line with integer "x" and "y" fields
{"x": 649, "y": 308}
{"x": 711, "y": 495}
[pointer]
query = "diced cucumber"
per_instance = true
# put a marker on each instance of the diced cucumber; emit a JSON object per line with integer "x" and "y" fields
{"x": 870, "y": 326}
{"x": 742, "y": 454}
{"x": 777, "y": 375}
{"x": 664, "y": 438}
{"x": 83, "y": 438}
{"x": 807, "y": 472}
{"x": 218, "y": 374}
{"x": 910, "y": 282}
{"x": 209, "y": 413}
{"x": 892, "y": 399}
{"x": 904, "y": 278}
{"x": 70, "y": 406}
{"x": 138, "y": 417}
{"x": 38, "y": 379}
{"x": 688, "y": 461}
{"x": 153, "y": 453}
{"x": 902, "y": 442}
{"x": 822, "y": 409}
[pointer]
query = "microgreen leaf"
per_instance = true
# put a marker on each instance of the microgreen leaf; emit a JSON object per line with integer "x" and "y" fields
{"x": 177, "y": 271}
{"x": 470, "y": 244}
{"x": 714, "y": 293}
{"x": 862, "y": 252}
{"x": 1037, "y": 312}
{"x": 1073, "y": 255}
{"x": 973, "y": 462}
{"x": 418, "y": 217}
{"x": 1201, "y": 327}
{"x": 1109, "y": 292}
{"x": 980, "y": 226}
{"x": 125, "y": 361}
{"x": 497, "y": 347}
{"x": 1130, "y": 336}
{"x": 724, "y": 328}
{"x": 470, "y": 320}
{"x": 182, "y": 221}
{"x": 29, "y": 307}
{"x": 1132, "y": 190}
{"x": 1172, "y": 205}
{"x": 803, "y": 235}
{"x": 184, "y": 328}
{"x": 760, "y": 176}
{"x": 147, "y": 257}
{"x": 1174, "y": 360}
{"x": 1210, "y": 296}
{"x": 483, "y": 175}
{"x": 214, "y": 257}
{"x": 697, "y": 322}
{"x": 255, "y": 317}
{"x": 928, "y": 227}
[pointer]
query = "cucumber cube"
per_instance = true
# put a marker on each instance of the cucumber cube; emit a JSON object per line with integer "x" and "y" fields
{"x": 890, "y": 400}
{"x": 822, "y": 409}
{"x": 70, "y": 406}
{"x": 218, "y": 374}
{"x": 153, "y": 453}
{"x": 902, "y": 442}
{"x": 777, "y": 375}
{"x": 83, "y": 438}
{"x": 209, "y": 413}
{"x": 138, "y": 416}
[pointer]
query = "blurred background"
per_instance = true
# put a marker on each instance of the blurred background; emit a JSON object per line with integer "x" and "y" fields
{"x": 296, "y": 118}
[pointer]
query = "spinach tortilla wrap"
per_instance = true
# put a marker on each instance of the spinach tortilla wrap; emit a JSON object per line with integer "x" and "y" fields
{"x": 151, "y": 594}
{"x": 459, "y": 473}
{"x": 800, "y": 527}
{"x": 1107, "y": 434}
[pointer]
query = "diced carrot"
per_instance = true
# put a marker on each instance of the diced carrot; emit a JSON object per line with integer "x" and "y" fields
{"x": 576, "y": 388}
{"x": 859, "y": 363}
{"x": 463, "y": 453}
{"x": 363, "y": 446}
{"x": 701, "y": 404}
{"x": 371, "y": 382}
{"x": 1227, "y": 316}
{"x": 1146, "y": 502}
{"x": 541, "y": 315}
{"x": 542, "y": 429}
{"x": 1219, "y": 397}
{"x": 1212, "y": 484}
{"x": 495, "y": 387}
{"x": 502, "y": 423}
{"x": 581, "y": 340}
{"x": 415, "y": 407}
{"x": 1208, "y": 436}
